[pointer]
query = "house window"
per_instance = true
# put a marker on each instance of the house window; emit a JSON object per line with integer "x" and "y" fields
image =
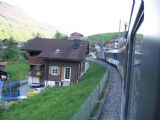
{"x": 67, "y": 73}
{"x": 37, "y": 67}
{"x": 55, "y": 70}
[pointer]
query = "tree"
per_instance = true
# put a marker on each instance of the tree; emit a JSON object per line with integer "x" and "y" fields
{"x": 1, "y": 51}
{"x": 11, "y": 52}
{"x": 37, "y": 35}
{"x": 23, "y": 55}
{"x": 58, "y": 35}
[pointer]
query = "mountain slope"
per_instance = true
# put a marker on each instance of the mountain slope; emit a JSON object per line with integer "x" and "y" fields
{"x": 103, "y": 37}
{"x": 15, "y": 23}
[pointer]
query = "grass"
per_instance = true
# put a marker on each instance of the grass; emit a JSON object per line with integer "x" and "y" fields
{"x": 104, "y": 88}
{"x": 93, "y": 113}
{"x": 58, "y": 103}
{"x": 102, "y": 37}
{"x": 17, "y": 71}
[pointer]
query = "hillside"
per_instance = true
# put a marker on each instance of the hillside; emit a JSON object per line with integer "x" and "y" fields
{"x": 14, "y": 22}
{"x": 102, "y": 37}
{"x": 57, "y": 103}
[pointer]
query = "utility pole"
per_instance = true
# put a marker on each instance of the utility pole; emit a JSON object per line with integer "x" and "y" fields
{"x": 125, "y": 31}
{"x": 119, "y": 28}
{"x": 125, "y": 26}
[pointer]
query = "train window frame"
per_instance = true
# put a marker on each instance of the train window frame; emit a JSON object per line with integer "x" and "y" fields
{"x": 130, "y": 59}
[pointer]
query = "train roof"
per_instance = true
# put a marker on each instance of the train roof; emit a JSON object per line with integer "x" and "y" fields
{"x": 115, "y": 51}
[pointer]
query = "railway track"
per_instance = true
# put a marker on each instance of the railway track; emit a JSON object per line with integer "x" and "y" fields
{"x": 112, "y": 103}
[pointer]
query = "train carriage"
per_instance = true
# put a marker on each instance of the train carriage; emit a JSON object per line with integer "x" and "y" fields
{"x": 139, "y": 63}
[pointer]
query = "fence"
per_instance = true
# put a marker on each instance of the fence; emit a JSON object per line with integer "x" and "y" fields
{"x": 84, "y": 112}
{"x": 10, "y": 90}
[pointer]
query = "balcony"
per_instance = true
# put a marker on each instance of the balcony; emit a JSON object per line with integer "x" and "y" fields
{"x": 37, "y": 73}
{"x": 35, "y": 60}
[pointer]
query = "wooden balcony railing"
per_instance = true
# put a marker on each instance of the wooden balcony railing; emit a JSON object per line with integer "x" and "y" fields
{"x": 35, "y": 60}
{"x": 37, "y": 73}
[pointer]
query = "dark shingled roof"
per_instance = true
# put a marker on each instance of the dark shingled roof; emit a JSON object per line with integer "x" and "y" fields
{"x": 76, "y": 33}
{"x": 57, "y": 49}
{"x": 3, "y": 72}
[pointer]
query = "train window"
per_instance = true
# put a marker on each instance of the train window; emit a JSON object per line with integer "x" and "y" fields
{"x": 134, "y": 60}
{"x": 136, "y": 70}
{"x": 136, "y": 74}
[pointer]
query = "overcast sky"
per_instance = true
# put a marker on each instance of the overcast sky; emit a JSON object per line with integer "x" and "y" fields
{"x": 84, "y": 16}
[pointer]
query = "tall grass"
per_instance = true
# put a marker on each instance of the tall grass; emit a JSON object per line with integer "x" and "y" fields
{"x": 58, "y": 103}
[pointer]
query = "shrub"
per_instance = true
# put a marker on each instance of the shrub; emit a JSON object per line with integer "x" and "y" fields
{"x": 31, "y": 94}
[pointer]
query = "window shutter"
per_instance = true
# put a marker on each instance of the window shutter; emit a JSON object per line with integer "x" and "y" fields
{"x": 50, "y": 69}
{"x": 58, "y": 70}
{"x": 62, "y": 73}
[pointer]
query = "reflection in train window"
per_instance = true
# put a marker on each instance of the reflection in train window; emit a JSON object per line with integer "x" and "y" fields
{"x": 136, "y": 74}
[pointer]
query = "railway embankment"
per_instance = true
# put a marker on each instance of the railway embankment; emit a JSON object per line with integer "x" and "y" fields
{"x": 50, "y": 104}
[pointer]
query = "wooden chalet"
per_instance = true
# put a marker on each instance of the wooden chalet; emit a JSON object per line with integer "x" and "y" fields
{"x": 6, "y": 41}
{"x": 3, "y": 73}
{"x": 77, "y": 36}
{"x": 56, "y": 62}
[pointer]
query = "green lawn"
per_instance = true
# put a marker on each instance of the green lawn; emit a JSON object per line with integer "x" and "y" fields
{"x": 59, "y": 103}
{"x": 17, "y": 71}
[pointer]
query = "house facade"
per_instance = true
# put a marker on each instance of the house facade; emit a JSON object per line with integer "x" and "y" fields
{"x": 3, "y": 73}
{"x": 77, "y": 36}
{"x": 115, "y": 44}
{"x": 55, "y": 62}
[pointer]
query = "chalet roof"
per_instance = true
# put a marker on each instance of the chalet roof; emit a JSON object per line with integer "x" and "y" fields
{"x": 3, "y": 72}
{"x": 7, "y": 40}
{"x": 57, "y": 49}
{"x": 111, "y": 41}
{"x": 76, "y": 33}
